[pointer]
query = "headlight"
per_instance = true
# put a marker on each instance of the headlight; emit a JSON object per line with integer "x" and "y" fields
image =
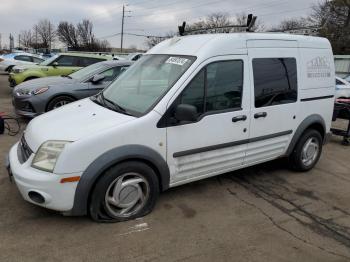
{"x": 47, "y": 155}
{"x": 40, "y": 90}
{"x": 28, "y": 92}
{"x": 18, "y": 70}
{"x": 23, "y": 92}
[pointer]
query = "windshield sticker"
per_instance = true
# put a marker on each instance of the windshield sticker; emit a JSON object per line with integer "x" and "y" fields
{"x": 177, "y": 61}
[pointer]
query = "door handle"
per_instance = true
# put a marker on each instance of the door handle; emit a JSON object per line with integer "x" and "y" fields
{"x": 261, "y": 114}
{"x": 239, "y": 118}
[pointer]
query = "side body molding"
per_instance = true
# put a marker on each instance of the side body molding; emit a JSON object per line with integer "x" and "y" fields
{"x": 310, "y": 120}
{"x": 110, "y": 158}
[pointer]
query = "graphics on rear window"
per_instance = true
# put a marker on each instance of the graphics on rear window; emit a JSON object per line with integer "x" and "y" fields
{"x": 319, "y": 67}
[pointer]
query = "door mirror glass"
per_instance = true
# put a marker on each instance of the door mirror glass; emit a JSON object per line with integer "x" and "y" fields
{"x": 55, "y": 64}
{"x": 97, "y": 78}
{"x": 186, "y": 113}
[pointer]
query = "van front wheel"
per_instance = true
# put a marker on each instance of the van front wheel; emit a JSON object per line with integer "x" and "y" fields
{"x": 307, "y": 151}
{"x": 126, "y": 191}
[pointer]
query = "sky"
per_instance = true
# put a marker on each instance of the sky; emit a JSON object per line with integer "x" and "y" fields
{"x": 144, "y": 17}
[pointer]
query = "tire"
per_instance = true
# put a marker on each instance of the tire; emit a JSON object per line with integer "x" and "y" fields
{"x": 303, "y": 159}
{"x": 9, "y": 68}
{"x": 105, "y": 203}
{"x": 58, "y": 102}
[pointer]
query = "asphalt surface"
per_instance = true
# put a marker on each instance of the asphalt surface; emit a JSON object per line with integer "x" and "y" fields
{"x": 263, "y": 213}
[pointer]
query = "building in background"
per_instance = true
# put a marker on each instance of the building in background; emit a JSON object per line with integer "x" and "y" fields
{"x": 342, "y": 65}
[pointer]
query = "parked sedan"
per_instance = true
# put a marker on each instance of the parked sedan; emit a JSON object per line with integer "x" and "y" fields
{"x": 8, "y": 61}
{"x": 40, "y": 95}
{"x": 342, "y": 88}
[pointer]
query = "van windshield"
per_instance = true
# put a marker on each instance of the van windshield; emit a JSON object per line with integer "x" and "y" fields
{"x": 144, "y": 83}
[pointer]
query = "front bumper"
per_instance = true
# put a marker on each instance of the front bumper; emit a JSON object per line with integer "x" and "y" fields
{"x": 15, "y": 79}
{"x": 57, "y": 196}
{"x": 12, "y": 81}
{"x": 26, "y": 106}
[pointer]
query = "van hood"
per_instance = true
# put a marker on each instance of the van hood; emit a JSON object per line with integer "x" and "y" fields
{"x": 72, "y": 122}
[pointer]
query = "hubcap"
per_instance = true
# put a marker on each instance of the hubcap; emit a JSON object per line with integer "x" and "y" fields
{"x": 127, "y": 195}
{"x": 310, "y": 151}
{"x": 61, "y": 103}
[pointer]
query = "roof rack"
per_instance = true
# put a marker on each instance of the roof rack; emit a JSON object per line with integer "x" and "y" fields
{"x": 248, "y": 27}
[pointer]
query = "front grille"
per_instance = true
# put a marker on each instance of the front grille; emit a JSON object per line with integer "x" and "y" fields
{"x": 24, "y": 151}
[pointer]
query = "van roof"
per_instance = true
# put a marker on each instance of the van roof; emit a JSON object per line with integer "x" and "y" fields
{"x": 234, "y": 43}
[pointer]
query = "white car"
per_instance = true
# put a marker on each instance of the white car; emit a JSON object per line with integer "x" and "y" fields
{"x": 8, "y": 61}
{"x": 191, "y": 108}
{"x": 342, "y": 88}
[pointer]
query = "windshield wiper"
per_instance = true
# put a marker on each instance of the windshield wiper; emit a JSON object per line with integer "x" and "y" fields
{"x": 115, "y": 106}
{"x": 68, "y": 76}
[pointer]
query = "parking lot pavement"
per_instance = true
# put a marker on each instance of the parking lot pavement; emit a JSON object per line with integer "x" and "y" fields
{"x": 263, "y": 213}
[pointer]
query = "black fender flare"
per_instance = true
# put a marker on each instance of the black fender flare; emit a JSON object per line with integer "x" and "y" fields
{"x": 110, "y": 158}
{"x": 306, "y": 123}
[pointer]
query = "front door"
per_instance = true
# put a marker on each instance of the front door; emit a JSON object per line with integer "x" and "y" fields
{"x": 216, "y": 142}
{"x": 274, "y": 111}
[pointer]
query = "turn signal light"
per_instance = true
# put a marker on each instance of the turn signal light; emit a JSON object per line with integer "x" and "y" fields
{"x": 70, "y": 179}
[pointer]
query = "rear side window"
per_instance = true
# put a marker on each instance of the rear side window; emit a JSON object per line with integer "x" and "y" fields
{"x": 67, "y": 60}
{"x": 23, "y": 58}
{"x": 112, "y": 73}
{"x": 86, "y": 61}
{"x": 37, "y": 60}
{"x": 275, "y": 81}
{"x": 217, "y": 87}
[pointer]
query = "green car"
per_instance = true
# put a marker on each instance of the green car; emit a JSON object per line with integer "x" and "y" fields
{"x": 61, "y": 64}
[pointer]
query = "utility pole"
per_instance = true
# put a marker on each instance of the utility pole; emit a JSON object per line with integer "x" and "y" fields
{"x": 49, "y": 37}
{"x": 122, "y": 32}
{"x": 36, "y": 39}
{"x": 122, "y": 35}
{"x": 0, "y": 43}
{"x": 19, "y": 41}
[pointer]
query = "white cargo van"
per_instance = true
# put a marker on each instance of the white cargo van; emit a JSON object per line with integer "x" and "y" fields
{"x": 191, "y": 108}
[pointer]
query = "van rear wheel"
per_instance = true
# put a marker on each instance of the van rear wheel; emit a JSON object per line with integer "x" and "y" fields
{"x": 126, "y": 191}
{"x": 307, "y": 151}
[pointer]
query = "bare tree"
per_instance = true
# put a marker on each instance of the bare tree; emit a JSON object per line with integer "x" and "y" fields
{"x": 26, "y": 39}
{"x": 67, "y": 34}
{"x": 80, "y": 37}
{"x": 46, "y": 33}
{"x": 154, "y": 40}
{"x": 103, "y": 46}
{"x": 86, "y": 36}
{"x": 292, "y": 24}
{"x": 333, "y": 18}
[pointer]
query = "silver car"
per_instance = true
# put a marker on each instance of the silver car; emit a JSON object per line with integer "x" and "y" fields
{"x": 37, "y": 96}
{"x": 8, "y": 61}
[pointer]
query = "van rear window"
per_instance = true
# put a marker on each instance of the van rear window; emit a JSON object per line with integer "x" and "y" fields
{"x": 275, "y": 81}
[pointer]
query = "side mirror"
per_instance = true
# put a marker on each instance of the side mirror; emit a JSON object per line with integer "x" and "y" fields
{"x": 186, "y": 113}
{"x": 55, "y": 64}
{"x": 97, "y": 78}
